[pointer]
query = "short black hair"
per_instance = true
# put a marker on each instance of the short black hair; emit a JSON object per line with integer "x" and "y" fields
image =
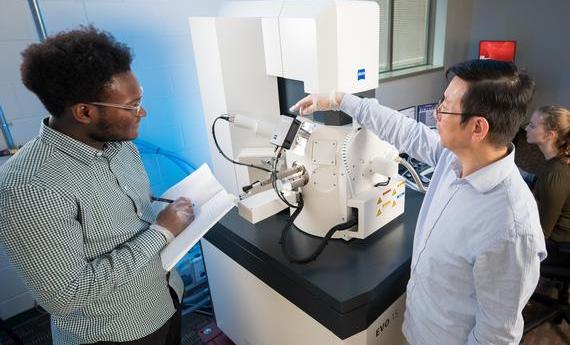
{"x": 73, "y": 66}
{"x": 499, "y": 92}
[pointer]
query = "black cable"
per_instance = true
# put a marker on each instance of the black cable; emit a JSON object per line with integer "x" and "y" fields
{"x": 285, "y": 230}
{"x": 322, "y": 245}
{"x": 227, "y": 118}
{"x": 273, "y": 172}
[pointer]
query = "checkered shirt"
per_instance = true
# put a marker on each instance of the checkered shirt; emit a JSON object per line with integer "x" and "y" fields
{"x": 75, "y": 223}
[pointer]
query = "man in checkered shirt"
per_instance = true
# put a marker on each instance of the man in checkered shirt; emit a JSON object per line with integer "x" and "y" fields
{"x": 75, "y": 208}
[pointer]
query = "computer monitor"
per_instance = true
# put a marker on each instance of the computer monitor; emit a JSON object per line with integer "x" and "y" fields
{"x": 497, "y": 50}
{"x": 425, "y": 114}
{"x": 409, "y": 112}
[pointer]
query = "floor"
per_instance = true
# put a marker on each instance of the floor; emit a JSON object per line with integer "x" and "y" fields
{"x": 548, "y": 334}
{"x": 36, "y": 330}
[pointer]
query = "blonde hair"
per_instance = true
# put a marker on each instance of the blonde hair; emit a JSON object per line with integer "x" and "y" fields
{"x": 557, "y": 118}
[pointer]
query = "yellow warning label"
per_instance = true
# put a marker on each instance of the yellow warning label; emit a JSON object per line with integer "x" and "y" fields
{"x": 379, "y": 212}
{"x": 379, "y": 201}
{"x": 386, "y": 203}
{"x": 394, "y": 192}
{"x": 401, "y": 183}
{"x": 394, "y": 203}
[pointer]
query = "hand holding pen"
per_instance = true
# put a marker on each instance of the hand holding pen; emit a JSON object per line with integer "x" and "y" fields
{"x": 177, "y": 215}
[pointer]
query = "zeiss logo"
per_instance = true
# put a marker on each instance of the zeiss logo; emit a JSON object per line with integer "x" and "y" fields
{"x": 361, "y": 74}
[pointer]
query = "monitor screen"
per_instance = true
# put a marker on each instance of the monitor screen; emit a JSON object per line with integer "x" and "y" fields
{"x": 425, "y": 114}
{"x": 497, "y": 50}
{"x": 409, "y": 112}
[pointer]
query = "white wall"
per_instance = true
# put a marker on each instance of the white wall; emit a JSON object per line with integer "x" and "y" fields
{"x": 541, "y": 29}
{"x": 21, "y": 109}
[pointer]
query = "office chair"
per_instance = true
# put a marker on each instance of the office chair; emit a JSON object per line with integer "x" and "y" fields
{"x": 556, "y": 309}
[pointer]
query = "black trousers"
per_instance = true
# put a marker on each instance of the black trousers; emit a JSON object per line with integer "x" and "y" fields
{"x": 168, "y": 334}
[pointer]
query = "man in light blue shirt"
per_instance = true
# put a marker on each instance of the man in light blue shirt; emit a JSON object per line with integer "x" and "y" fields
{"x": 478, "y": 241}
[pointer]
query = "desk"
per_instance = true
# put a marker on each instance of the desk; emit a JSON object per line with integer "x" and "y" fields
{"x": 352, "y": 293}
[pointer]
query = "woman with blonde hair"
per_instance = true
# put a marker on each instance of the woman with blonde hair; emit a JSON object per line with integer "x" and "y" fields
{"x": 549, "y": 129}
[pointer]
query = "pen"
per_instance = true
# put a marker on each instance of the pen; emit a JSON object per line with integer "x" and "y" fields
{"x": 154, "y": 198}
{"x": 170, "y": 201}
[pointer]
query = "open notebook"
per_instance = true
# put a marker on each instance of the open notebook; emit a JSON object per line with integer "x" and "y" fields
{"x": 211, "y": 203}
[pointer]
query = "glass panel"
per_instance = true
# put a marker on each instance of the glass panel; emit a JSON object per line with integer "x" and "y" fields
{"x": 384, "y": 34}
{"x": 410, "y": 33}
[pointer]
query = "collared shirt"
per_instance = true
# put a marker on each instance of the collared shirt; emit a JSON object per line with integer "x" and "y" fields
{"x": 75, "y": 222}
{"x": 478, "y": 241}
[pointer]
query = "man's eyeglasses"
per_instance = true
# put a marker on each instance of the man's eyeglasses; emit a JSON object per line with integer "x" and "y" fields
{"x": 136, "y": 108}
{"x": 437, "y": 112}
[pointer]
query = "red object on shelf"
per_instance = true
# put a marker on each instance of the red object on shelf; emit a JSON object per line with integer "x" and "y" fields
{"x": 212, "y": 335}
{"x": 498, "y": 50}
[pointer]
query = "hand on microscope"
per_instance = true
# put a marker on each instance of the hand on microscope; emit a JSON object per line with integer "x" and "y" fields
{"x": 316, "y": 102}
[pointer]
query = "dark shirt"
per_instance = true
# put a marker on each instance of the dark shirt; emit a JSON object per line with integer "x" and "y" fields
{"x": 552, "y": 193}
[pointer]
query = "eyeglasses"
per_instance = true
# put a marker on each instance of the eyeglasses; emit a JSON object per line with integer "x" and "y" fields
{"x": 136, "y": 108}
{"x": 437, "y": 113}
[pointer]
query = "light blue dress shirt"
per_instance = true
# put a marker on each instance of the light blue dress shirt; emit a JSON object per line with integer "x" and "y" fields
{"x": 478, "y": 241}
